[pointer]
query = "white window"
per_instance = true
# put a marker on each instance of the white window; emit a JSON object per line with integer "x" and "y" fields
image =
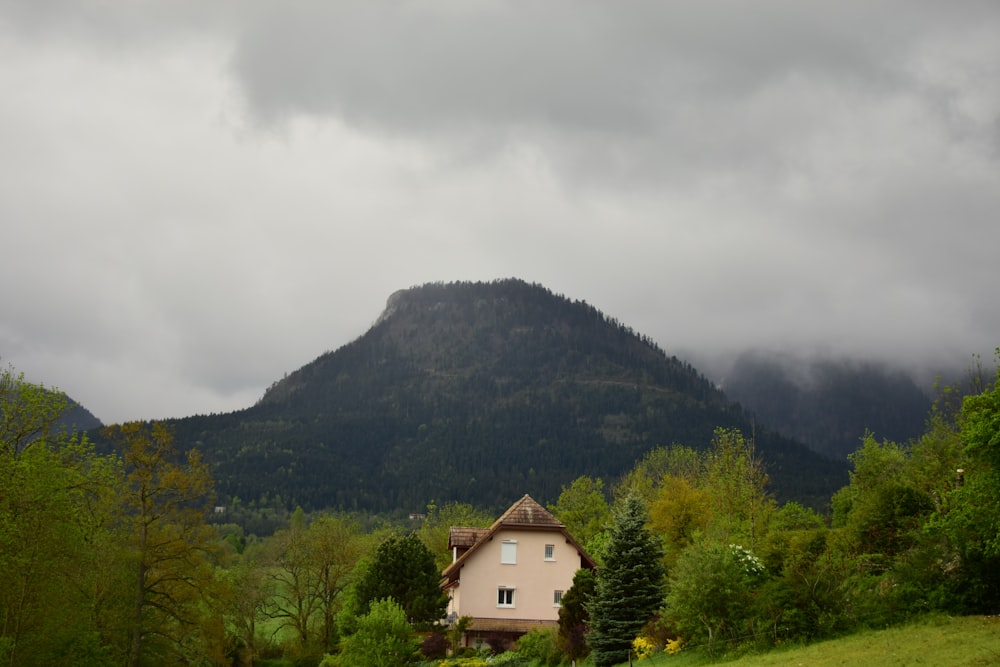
{"x": 557, "y": 598}
{"x": 505, "y": 597}
{"x": 508, "y": 552}
{"x": 550, "y": 552}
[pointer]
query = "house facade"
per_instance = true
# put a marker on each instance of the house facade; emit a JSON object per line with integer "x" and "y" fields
{"x": 509, "y": 578}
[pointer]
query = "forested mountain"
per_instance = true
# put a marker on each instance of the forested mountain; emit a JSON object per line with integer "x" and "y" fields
{"x": 828, "y": 404}
{"x": 478, "y": 392}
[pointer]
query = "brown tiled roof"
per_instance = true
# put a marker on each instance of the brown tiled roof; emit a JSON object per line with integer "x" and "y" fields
{"x": 463, "y": 538}
{"x": 527, "y": 512}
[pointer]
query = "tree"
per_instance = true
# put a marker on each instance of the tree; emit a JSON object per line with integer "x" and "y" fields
{"x": 881, "y": 508}
{"x": 402, "y": 568}
{"x": 629, "y": 587}
{"x": 711, "y": 596}
{"x": 679, "y": 513}
{"x": 383, "y": 638}
{"x": 435, "y": 529}
{"x": 28, "y": 412}
{"x": 334, "y": 545}
{"x": 54, "y": 513}
{"x": 294, "y": 602}
{"x": 737, "y": 484}
{"x": 583, "y": 508}
{"x": 969, "y": 515}
{"x": 245, "y": 592}
{"x": 574, "y": 618}
{"x": 647, "y": 476}
{"x": 164, "y": 503}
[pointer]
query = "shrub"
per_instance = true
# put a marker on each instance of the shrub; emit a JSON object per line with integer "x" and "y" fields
{"x": 540, "y": 645}
{"x": 434, "y": 646}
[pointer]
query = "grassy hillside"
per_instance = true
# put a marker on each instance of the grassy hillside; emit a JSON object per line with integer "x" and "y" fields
{"x": 969, "y": 641}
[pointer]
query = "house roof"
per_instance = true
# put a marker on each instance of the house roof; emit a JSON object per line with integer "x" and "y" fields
{"x": 463, "y": 538}
{"x": 525, "y": 514}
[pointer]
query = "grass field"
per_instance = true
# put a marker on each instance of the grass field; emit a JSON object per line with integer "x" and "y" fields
{"x": 970, "y": 641}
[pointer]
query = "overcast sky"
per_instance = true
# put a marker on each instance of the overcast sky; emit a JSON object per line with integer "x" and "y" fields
{"x": 198, "y": 197}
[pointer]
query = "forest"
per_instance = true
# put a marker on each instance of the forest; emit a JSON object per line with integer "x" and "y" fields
{"x": 476, "y": 392}
{"x": 125, "y": 557}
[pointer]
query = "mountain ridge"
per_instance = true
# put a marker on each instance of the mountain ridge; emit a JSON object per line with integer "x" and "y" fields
{"x": 478, "y": 392}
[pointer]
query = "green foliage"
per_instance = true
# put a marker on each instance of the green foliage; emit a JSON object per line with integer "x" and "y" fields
{"x": 646, "y": 477}
{"x": 629, "y": 586}
{"x": 434, "y": 529}
{"x": 403, "y": 569}
{"x": 583, "y": 508}
{"x": 540, "y": 646}
{"x": 679, "y": 513}
{"x": 164, "y": 502}
{"x": 574, "y": 615}
{"x": 712, "y": 594}
{"x": 981, "y": 423}
{"x": 736, "y": 481}
{"x": 28, "y": 412}
{"x": 383, "y": 638}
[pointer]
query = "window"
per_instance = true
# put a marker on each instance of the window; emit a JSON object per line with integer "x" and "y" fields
{"x": 550, "y": 552}
{"x": 505, "y": 597}
{"x": 557, "y": 598}
{"x": 508, "y": 552}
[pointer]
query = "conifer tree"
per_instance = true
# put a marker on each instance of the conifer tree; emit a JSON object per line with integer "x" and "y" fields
{"x": 629, "y": 586}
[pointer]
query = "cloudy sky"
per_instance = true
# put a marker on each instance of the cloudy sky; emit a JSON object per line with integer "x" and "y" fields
{"x": 198, "y": 197}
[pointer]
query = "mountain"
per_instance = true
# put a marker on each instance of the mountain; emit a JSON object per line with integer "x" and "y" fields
{"x": 79, "y": 418}
{"x": 828, "y": 403}
{"x": 478, "y": 392}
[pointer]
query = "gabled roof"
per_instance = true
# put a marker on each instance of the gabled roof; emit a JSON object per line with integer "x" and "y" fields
{"x": 525, "y": 514}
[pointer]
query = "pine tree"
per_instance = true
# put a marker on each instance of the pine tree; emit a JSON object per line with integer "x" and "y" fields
{"x": 629, "y": 587}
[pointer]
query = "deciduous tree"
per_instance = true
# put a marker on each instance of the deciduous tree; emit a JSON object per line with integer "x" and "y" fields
{"x": 164, "y": 503}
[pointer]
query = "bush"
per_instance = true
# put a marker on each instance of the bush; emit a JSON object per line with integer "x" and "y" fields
{"x": 383, "y": 638}
{"x": 540, "y": 645}
{"x": 434, "y": 646}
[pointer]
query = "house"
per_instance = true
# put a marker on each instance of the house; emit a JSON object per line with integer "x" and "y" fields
{"x": 509, "y": 578}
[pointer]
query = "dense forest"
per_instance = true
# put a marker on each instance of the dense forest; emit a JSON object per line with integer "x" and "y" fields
{"x": 479, "y": 393}
{"x": 124, "y": 558}
{"x": 828, "y": 403}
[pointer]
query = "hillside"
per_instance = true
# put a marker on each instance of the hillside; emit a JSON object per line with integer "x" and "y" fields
{"x": 826, "y": 403}
{"x": 962, "y": 641}
{"x": 478, "y": 392}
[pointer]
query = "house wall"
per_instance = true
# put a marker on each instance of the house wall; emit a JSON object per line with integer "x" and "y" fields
{"x": 533, "y": 578}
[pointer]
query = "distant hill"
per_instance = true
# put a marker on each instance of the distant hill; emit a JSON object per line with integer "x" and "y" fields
{"x": 478, "y": 392}
{"x": 79, "y": 418}
{"x": 828, "y": 403}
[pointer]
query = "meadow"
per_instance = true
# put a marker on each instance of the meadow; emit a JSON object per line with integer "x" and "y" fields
{"x": 936, "y": 641}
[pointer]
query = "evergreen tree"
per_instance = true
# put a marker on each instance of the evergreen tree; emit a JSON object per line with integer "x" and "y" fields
{"x": 574, "y": 619}
{"x": 403, "y": 569}
{"x": 629, "y": 587}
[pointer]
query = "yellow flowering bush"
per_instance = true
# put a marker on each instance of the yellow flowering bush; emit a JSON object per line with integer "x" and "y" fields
{"x": 463, "y": 662}
{"x": 643, "y": 647}
{"x": 673, "y": 646}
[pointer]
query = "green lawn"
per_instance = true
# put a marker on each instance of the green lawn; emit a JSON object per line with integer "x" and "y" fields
{"x": 970, "y": 641}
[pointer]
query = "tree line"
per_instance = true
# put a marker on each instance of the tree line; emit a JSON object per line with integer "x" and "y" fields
{"x": 121, "y": 558}
{"x": 915, "y": 531}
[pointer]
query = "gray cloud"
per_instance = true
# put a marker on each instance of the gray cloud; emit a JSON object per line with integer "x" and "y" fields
{"x": 198, "y": 198}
